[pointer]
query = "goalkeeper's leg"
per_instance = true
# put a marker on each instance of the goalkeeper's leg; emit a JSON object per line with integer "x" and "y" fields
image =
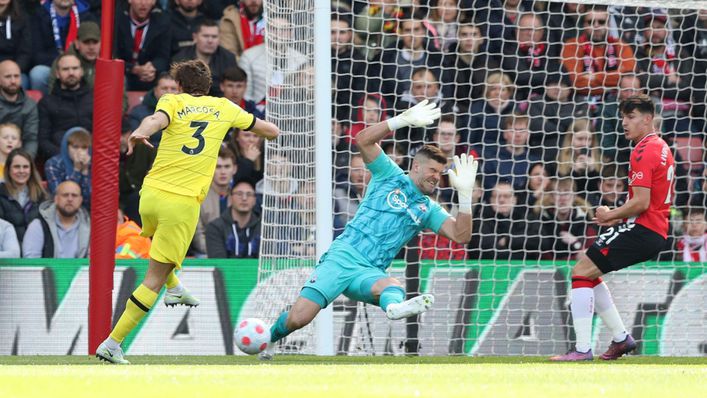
{"x": 374, "y": 287}
{"x": 136, "y": 307}
{"x": 307, "y": 306}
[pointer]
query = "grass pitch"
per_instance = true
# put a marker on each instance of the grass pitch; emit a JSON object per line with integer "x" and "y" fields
{"x": 333, "y": 377}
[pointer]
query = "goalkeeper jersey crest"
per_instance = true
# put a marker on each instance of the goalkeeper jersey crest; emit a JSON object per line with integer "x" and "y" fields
{"x": 186, "y": 157}
{"x": 391, "y": 213}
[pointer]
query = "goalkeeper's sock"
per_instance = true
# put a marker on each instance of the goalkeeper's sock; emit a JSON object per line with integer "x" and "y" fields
{"x": 174, "y": 286}
{"x": 391, "y": 295}
{"x": 582, "y": 306}
{"x": 606, "y": 309}
{"x": 279, "y": 330}
{"x": 137, "y": 306}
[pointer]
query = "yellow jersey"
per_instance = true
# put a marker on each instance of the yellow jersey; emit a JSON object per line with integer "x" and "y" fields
{"x": 186, "y": 156}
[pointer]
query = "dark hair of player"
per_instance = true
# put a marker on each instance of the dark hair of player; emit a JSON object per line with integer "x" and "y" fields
{"x": 640, "y": 103}
{"x": 431, "y": 152}
{"x": 193, "y": 76}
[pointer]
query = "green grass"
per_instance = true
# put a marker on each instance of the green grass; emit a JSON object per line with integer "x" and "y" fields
{"x": 309, "y": 377}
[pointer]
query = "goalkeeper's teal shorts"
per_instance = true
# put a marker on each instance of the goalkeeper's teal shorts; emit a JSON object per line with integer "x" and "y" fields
{"x": 339, "y": 273}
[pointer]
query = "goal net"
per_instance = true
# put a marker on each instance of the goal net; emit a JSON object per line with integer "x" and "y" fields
{"x": 531, "y": 89}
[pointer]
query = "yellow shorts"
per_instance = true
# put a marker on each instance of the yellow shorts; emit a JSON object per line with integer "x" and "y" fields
{"x": 170, "y": 219}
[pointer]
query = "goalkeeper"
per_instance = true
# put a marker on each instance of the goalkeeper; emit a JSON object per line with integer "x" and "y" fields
{"x": 395, "y": 209}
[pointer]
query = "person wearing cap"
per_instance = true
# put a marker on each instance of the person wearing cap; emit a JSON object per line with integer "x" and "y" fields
{"x": 86, "y": 47}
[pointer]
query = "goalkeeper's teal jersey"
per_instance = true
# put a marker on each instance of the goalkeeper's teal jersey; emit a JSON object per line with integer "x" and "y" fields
{"x": 392, "y": 212}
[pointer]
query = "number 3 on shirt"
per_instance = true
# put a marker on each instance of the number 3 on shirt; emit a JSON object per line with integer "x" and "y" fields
{"x": 669, "y": 174}
{"x": 200, "y": 127}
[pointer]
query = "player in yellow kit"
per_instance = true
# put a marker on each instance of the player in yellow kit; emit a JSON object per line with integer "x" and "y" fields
{"x": 194, "y": 126}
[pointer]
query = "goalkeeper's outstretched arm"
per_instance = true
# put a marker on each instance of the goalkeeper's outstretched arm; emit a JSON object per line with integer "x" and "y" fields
{"x": 420, "y": 115}
{"x": 461, "y": 177}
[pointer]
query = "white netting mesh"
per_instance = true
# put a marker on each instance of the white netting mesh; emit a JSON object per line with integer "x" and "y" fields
{"x": 518, "y": 91}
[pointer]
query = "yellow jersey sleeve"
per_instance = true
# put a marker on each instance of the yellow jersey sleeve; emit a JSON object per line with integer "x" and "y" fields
{"x": 241, "y": 119}
{"x": 167, "y": 104}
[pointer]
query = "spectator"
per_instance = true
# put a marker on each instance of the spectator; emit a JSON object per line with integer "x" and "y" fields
{"x": 446, "y": 138}
{"x": 424, "y": 86}
{"x": 16, "y": 39}
{"x": 532, "y": 58}
{"x": 165, "y": 85}
{"x": 142, "y": 32}
{"x": 348, "y": 194}
{"x": 55, "y": 27}
{"x": 566, "y": 228}
{"x": 234, "y": 84}
{"x": 281, "y": 188}
{"x": 128, "y": 242}
{"x": 580, "y": 158}
{"x": 62, "y": 229}
{"x": 505, "y": 231}
{"x": 486, "y": 113}
{"x": 16, "y": 107}
{"x": 377, "y": 24}
{"x": 612, "y": 188}
{"x": 21, "y": 192}
{"x": 286, "y": 58}
{"x": 444, "y": 17}
{"x": 236, "y": 234}
{"x": 538, "y": 185}
{"x": 69, "y": 105}
{"x": 248, "y": 148}
{"x": 614, "y": 145}
{"x": 339, "y": 145}
{"x": 371, "y": 109}
{"x": 692, "y": 246}
{"x": 693, "y": 37}
{"x": 396, "y": 152}
{"x": 73, "y": 163}
{"x": 565, "y": 20}
{"x": 595, "y": 60}
{"x": 398, "y": 61}
{"x": 184, "y": 19}
{"x": 465, "y": 66}
{"x": 9, "y": 246}
{"x": 218, "y": 199}
{"x": 131, "y": 173}
{"x": 242, "y": 26}
{"x": 9, "y": 140}
{"x": 348, "y": 66}
{"x": 509, "y": 161}
{"x": 551, "y": 116}
{"x": 667, "y": 72}
{"x": 206, "y": 48}
{"x": 86, "y": 48}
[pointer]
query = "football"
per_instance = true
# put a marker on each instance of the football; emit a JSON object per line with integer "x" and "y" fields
{"x": 252, "y": 336}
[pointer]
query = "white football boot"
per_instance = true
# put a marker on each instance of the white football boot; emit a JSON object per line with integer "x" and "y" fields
{"x": 414, "y": 306}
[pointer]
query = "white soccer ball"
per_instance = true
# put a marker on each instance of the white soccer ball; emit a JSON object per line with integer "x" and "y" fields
{"x": 252, "y": 335}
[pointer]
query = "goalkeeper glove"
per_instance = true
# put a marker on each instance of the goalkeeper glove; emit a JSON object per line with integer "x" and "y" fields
{"x": 420, "y": 115}
{"x": 462, "y": 178}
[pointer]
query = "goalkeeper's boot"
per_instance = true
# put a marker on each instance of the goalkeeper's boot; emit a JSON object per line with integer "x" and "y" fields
{"x": 574, "y": 356}
{"x": 183, "y": 298}
{"x": 414, "y": 306}
{"x": 114, "y": 356}
{"x": 617, "y": 350}
{"x": 268, "y": 353}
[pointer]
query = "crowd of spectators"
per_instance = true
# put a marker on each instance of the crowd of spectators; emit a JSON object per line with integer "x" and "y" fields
{"x": 530, "y": 88}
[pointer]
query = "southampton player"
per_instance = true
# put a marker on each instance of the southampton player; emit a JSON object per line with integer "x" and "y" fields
{"x": 395, "y": 208}
{"x": 194, "y": 126}
{"x": 637, "y": 232}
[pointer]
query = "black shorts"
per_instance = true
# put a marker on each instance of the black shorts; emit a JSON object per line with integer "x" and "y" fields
{"x": 624, "y": 245}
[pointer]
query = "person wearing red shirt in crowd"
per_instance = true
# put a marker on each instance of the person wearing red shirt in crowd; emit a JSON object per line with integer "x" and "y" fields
{"x": 242, "y": 26}
{"x": 637, "y": 231}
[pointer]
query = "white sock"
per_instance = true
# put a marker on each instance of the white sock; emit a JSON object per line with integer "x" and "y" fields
{"x": 609, "y": 314}
{"x": 112, "y": 344}
{"x": 582, "y": 306}
{"x": 179, "y": 289}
